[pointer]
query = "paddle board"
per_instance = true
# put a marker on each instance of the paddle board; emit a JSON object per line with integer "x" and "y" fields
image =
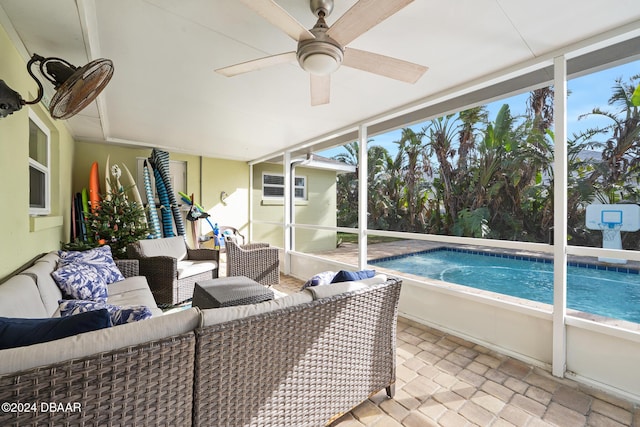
{"x": 94, "y": 187}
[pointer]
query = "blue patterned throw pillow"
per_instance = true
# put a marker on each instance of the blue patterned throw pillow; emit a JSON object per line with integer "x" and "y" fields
{"x": 352, "y": 276}
{"x": 119, "y": 315}
{"x": 81, "y": 281}
{"x": 99, "y": 258}
{"x": 319, "y": 279}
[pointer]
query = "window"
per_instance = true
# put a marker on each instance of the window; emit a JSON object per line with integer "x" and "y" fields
{"x": 273, "y": 187}
{"x": 39, "y": 175}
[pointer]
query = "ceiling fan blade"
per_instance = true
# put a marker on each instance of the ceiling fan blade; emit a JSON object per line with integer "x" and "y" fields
{"x": 383, "y": 65}
{"x": 276, "y": 15}
{"x": 363, "y": 16}
{"x": 320, "y": 89}
{"x": 257, "y": 64}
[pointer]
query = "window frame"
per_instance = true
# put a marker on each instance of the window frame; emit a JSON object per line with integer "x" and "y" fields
{"x": 39, "y": 167}
{"x": 281, "y": 197}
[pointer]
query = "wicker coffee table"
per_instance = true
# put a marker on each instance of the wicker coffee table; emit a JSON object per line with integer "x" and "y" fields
{"x": 228, "y": 291}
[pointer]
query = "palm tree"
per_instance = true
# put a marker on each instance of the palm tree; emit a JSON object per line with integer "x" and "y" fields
{"x": 442, "y": 132}
{"x": 615, "y": 177}
{"x": 414, "y": 169}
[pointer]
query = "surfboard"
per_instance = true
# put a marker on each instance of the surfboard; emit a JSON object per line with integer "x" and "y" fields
{"x": 81, "y": 228}
{"x": 85, "y": 201}
{"x": 116, "y": 172}
{"x": 151, "y": 203}
{"x": 74, "y": 223}
{"x": 160, "y": 162}
{"x": 82, "y": 213}
{"x": 94, "y": 186}
{"x": 165, "y": 205}
{"x": 107, "y": 179}
{"x": 134, "y": 189}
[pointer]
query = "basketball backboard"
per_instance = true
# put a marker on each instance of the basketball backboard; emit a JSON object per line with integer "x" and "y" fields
{"x": 612, "y": 219}
{"x": 623, "y": 217}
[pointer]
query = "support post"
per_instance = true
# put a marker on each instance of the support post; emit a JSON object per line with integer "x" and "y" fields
{"x": 559, "y": 362}
{"x": 288, "y": 203}
{"x": 362, "y": 198}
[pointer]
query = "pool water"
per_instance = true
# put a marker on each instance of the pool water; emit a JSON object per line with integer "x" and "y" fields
{"x": 591, "y": 289}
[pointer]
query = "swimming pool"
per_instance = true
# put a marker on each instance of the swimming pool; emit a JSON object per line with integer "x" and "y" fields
{"x": 593, "y": 289}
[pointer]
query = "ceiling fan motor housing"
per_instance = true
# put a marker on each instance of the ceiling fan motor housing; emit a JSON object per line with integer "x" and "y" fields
{"x": 324, "y": 7}
{"x": 321, "y": 55}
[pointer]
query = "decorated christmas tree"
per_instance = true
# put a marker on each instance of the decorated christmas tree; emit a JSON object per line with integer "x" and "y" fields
{"x": 116, "y": 221}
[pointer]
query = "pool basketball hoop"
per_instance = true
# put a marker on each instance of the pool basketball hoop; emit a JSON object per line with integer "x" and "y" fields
{"x": 611, "y": 220}
{"x": 611, "y": 232}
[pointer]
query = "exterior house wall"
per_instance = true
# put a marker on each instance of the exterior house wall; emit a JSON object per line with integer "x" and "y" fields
{"x": 318, "y": 209}
{"x": 24, "y": 237}
{"x": 232, "y": 177}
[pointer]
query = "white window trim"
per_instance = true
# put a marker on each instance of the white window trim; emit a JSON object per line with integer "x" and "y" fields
{"x": 279, "y": 198}
{"x": 46, "y": 170}
{"x": 303, "y": 187}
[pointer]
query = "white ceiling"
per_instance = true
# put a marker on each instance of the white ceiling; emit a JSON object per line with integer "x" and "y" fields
{"x": 164, "y": 92}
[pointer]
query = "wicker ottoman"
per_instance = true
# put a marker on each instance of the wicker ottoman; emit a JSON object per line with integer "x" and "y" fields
{"x": 228, "y": 291}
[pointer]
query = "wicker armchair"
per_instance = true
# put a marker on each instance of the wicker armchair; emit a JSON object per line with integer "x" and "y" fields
{"x": 225, "y": 231}
{"x": 257, "y": 261}
{"x": 232, "y": 231}
{"x": 172, "y": 269}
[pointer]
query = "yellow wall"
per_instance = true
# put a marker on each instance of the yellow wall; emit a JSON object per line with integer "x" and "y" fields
{"x": 21, "y": 236}
{"x": 319, "y": 208}
{"x": 231, "y": 177}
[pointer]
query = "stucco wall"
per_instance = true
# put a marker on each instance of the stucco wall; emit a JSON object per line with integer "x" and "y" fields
{"x": 318, "y": 209}
{"x": 23, "y": 237}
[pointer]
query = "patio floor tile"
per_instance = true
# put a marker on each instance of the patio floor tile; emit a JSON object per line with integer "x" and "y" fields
{"x": 443, "y": 380}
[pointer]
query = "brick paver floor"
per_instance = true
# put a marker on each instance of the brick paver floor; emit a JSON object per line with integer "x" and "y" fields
{"x": 443, "y": 380}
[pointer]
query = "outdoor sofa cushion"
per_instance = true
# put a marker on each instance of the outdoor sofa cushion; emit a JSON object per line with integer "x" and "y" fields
{"x": 108, "y": 339}
{"x": 18, "y": 332}
{"x": 173, "y": 247}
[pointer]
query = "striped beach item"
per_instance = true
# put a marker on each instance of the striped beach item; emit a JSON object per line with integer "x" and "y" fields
{"x": 165, "y": 211}
{"x": 160, "y": 162}
{"x": 156, "y": 232}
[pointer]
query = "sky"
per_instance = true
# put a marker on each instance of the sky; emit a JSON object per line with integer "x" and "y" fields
{"x": 585, "y": 94}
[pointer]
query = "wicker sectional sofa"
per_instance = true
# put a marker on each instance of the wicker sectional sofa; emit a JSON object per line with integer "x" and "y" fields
{"x": 300, "y": 360}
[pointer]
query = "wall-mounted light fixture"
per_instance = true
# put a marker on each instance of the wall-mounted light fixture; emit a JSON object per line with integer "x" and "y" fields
{"x": 75, "y": 87}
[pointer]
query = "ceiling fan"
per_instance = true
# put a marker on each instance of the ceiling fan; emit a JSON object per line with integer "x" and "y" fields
{"x": 321, "y": 50}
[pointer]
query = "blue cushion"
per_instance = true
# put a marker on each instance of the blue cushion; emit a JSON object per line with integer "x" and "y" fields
{"x": 119, "y": 315}
{"x": 20, "y": 332}
{"x": 81, "y": 281}
{"x": 100, "y": 258}
{"x": 352, "y": 276}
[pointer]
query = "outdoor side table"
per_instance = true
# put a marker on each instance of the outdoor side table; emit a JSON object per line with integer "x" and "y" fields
{"x": 229, "y": 291}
